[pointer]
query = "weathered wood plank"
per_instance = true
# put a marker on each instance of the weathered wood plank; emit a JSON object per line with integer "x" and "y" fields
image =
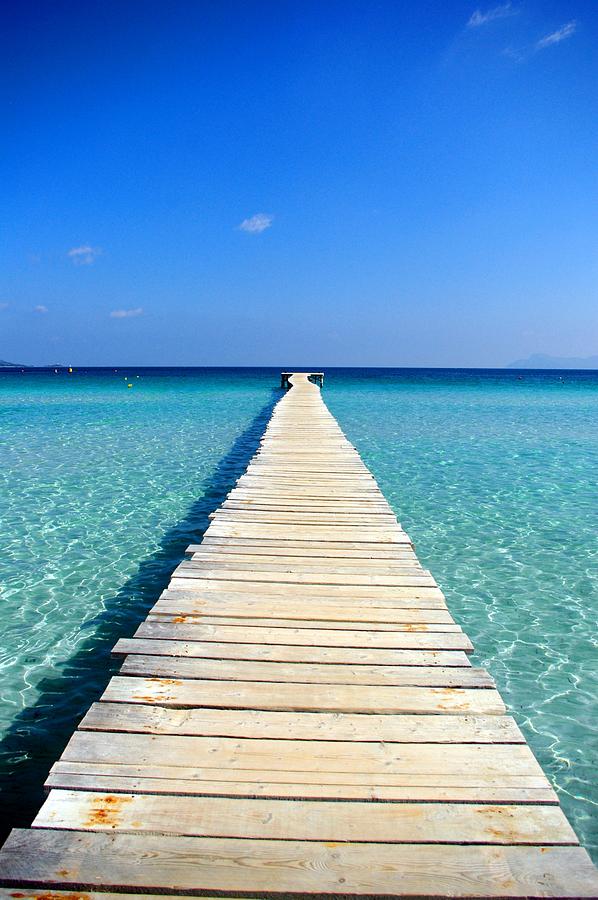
{"x": 294, "y": 654}
{"x": 280, "y": 610}
{"x": 296, "y": 783}
{"x": 322, "y": 545}
{"x": 394, "y": 761}
{"x": 320, "y": 550}
{"x": 184, "y": 581}
{"x": 305, "y": 672}
{"x": 212, "y": 590}
{"x": 261, "y": 502}
{"x": 164, "y": 862}
{"x": 162, "y": 614}
{"x": 304, "y": 519}
{"x": 303, "y": 697}
{"x": 364, "y": 535}
{"x": 306, "y": 821}
{"x": 137, "y": 717}
{"x": 212, "y": 594}
{"x": 490, "y": 791}
{"x": 176, "y": 628}
{"x": 42, "y": 893}
{"x": 403, "y": 583}
{"x": 309, "y": 564}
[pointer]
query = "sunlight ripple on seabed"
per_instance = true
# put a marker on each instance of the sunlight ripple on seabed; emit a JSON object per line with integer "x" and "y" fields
{"x": 493, "y": 477}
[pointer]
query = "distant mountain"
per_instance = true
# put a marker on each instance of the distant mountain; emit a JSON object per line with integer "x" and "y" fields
{"x": 542, "y": 361}
{"x": 8, "y": 365}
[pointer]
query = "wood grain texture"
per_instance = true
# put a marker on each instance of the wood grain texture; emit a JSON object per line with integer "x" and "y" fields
{"x": 413, "y": 637}
{"x": 289, "y": 653}
{"x": 305, "y": 697}
{"x": 168, "y": 863}
{"x": 306, "y": 820}
{"x": 154, "y": 719}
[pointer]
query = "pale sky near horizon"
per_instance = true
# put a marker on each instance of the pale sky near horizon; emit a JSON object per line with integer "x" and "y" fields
{"x": 372, "y": 183}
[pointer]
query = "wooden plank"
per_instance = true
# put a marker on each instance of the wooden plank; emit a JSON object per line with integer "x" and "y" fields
{"x": 305, "y": 672}
{"x": 328, "y": 475}
{"x": 303, "y": 519}
{"x": 373, "y": 507}
{"x": 171, "y": 611}
{"x": 355, "y": 698}
{"x": 321, "y": 551}
{"x": 334, "y": 471}
{"x": 283, "y": 653}
{"x": 367, "y": 535}
{"x": 184, "y": 581}
{"x": 303, "y": 509}
{"x": 162, "y": 614}
{"x": 167, "y": 863}
{"x": 308, "y": 564}
{"x": 306, "y": 821}
{"x": 176, "y": 628}
{"x": 336, "y": 476}
{"x": 298, "y": 784}
{"x": 322, "y": 545}
{"x": 137, "y": 717}
{"x": 315, "y": 595}
{"x": 86, "y": 778}
{"x": 305, "y": 495}
{"x": 305, "y": 489}
{"x": 279, "y": 609}
{"x": 408, "y": 566}
{"x": 212, "y": 594}
{"x": 331, "y": 519}
{"x": 403, "y": 583}
{"x": 41, "y": 893}
{"x": 391, "y": 762}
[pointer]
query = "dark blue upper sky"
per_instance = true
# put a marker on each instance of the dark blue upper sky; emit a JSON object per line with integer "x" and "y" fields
{"x": 371, "y": 183}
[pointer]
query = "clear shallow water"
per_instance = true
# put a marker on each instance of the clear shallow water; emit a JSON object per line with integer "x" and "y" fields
{"x": 495, "y": 481}
{"x": 102, "y": 487}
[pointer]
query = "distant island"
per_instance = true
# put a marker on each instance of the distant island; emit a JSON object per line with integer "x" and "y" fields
{"x": 543, "y": 361}
{"x": 4, "y": 364}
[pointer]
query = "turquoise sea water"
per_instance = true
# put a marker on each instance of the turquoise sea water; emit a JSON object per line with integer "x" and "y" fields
{"x": 102, "y": 486}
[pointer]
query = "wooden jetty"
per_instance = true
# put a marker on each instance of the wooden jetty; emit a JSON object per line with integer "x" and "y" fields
{"x": 286, "y": 383}
{"x": 298, "y": 716}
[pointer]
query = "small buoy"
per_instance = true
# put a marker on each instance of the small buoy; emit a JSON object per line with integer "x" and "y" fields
{"x": 70, "y": 368}
{"x": 56, "y": 371}
{"x": 129, "y": 385}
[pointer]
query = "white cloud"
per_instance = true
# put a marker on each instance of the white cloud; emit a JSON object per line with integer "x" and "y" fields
{"x": 84, "y": 255}
{"x": 515, "y": 54}
{"x": 549, "y": 40}
{"x": 497, "y": 12}
{"x": 557, "y": 36}
{"x": 40, "y": 309}
{"x": 126, "y": 313}
{"x": 256, "y": 224}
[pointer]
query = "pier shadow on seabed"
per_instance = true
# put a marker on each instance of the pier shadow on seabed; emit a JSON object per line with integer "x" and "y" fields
{"x": 34, "y": 741}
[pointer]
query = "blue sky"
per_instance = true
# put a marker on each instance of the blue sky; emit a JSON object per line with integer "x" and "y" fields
{"x": 373, "y": 183}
